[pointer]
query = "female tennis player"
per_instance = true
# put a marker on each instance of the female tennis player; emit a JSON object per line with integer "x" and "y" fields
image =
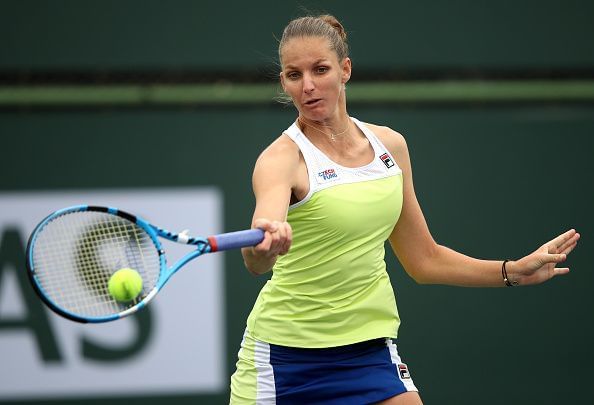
{"x": 329, "y": 192}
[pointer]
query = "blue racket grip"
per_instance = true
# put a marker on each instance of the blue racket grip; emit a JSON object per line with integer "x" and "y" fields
{"x": 234, "y": 240}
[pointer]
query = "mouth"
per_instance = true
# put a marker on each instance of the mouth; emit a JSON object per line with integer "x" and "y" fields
{"x": 312, "y": 102}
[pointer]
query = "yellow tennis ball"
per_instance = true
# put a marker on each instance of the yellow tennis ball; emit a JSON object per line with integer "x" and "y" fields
{"x": 125, "y": 285}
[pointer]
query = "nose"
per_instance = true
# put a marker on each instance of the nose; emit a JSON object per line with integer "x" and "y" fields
{"x": 308, "y": 83}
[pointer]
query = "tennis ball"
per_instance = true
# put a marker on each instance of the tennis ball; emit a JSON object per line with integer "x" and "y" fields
{"x": 125, "y": 285}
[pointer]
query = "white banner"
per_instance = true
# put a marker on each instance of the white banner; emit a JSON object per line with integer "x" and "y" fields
{"x": 177, "y": 346}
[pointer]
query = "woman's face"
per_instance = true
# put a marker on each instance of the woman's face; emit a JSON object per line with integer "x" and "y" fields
{"x": 313, "y": 76}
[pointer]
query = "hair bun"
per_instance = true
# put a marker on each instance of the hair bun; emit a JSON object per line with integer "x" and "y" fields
{"x": 333, "y": 21}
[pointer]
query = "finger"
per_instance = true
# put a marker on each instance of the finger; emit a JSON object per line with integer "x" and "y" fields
{"x": 288, "y": 239}
{"x": 573, "y": 239}
{"x": 284, "y": 238}
{"x": 568, "y": 249}
{"x": 560, "y": 271}
{"x": 552, "y": 258}
{"x": 281, "y": 228}
{"x": 567, "y": 243}
{"x": 561, "y": 239}
{"x": 279, "y": 234}
{"x": 264, "y": 246}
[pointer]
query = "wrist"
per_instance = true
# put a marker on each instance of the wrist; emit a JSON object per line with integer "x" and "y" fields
{"x": 508, "y": 273}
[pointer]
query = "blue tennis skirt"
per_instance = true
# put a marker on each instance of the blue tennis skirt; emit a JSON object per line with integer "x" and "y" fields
{"x": 360, "y": 373}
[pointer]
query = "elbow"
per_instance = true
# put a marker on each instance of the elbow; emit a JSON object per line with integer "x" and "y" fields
{"x": 418, "y": 275}
{"x": 255, "y": 272}
{"x": 422, "y": 279}
{"x": 258, "y": 264}
{"x": 249, "y": 264}
{"x": 249, "y": 269}
{"x": 255, "y": 267}
{"x": 423, "y": 270}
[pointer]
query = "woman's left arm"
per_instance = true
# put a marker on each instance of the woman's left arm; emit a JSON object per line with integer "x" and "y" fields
{"x": 430, "y": 263}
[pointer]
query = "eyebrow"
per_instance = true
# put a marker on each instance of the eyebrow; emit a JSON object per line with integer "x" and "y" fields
{"x": 316, "y": 62}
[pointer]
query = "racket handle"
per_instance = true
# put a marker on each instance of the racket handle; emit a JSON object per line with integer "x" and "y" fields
{"x": 234, "y": 240}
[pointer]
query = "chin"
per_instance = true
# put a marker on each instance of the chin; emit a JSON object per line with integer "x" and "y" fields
{"x": 315, "y": 114}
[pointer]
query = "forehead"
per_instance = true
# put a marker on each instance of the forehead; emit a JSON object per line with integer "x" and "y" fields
{"x": 300, "y": 50}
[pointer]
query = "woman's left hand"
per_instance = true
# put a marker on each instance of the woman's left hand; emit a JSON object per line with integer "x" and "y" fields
{"x": 539, "y": 266}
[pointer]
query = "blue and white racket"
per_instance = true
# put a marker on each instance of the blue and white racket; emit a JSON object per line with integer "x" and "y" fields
{"x": 72, "y": 254}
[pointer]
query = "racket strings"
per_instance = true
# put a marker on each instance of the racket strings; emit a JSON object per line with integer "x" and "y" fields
{"x": 76, "y": 254}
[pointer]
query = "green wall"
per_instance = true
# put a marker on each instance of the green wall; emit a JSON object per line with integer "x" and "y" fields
{"x": 239, "y": 35}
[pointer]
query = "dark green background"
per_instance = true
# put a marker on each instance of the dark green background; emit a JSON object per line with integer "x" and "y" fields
{"x": 239, "y": 35}
{"x": 494, "y": 180}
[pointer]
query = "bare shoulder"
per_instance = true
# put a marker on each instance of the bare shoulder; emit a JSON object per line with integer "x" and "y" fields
{"x": 279, "y": 160}
{"x": 391, "y": 139}
{"x": 281, "y": 149}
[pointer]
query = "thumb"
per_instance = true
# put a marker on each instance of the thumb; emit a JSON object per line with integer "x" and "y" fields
{"x": 265, "y": 224}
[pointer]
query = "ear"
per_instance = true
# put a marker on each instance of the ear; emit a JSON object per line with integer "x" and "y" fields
{"x": 346, "y": 70}
{"x": 282, "y": 81}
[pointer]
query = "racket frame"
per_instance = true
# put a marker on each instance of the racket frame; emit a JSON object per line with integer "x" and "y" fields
{"x": 225, "y": 241}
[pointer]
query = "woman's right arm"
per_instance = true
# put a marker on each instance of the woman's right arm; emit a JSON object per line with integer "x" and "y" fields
{"x": 273, "y": 180}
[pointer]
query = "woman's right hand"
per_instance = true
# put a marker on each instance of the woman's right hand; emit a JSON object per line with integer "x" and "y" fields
{"x": 277, "y": 237}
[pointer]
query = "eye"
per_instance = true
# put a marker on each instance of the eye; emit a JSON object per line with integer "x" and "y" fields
{"x": 292, "y": 75}
{"x": 322, "y": 69}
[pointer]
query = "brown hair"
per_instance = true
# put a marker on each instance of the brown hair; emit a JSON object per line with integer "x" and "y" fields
{"x": 326, "y": 26}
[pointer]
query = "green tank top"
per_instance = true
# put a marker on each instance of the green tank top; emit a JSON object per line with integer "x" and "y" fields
{"x": 332, "y": 288}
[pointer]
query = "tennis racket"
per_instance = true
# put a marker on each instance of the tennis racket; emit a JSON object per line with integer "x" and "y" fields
{"x": 72, "y": 254}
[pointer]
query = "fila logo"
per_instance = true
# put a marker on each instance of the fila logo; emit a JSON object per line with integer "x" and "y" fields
{"x": 328, "y": 174}
{"x": 403, "y": 369}
{"x": 387, "y": 160}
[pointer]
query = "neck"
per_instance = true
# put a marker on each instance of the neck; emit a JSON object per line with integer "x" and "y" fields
{"x": 325, "y": 129}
